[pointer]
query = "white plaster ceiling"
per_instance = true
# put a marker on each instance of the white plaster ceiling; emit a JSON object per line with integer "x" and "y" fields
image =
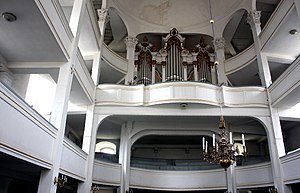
{"x": 174, "y": 13}
{"x": 282, "y": 44}
{"x": 28, "y": 38}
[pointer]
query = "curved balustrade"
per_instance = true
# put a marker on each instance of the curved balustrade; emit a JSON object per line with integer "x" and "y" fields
{"x": 250, "y": 176}
{"x": 240, "y": 61}
{"x": 107, "y": 173}
{"x": 187, "y": 164}
{"x": 178, "y": 92}
{"x": 178, "y": 180}
{"x": 291, "y": 169}
{"x": 114, "y": 60}
{"x": 257, "y": 175}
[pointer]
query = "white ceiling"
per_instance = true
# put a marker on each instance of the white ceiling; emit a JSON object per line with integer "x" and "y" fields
{"x": 29, "y": 38}
{"x": 282, "y": 44}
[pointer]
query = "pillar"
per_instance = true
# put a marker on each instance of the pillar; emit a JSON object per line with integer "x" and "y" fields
{"x": 58, "y": 119}
{"x": 89, "y": 144}
{"x": 125, "y": 152}
{"x": 103, "y": 19}
{"x": 130, "y": 47}
{"x": 153, "y": 74}
{"x": 277, "y": 170}
{"x": 62, "y": 95}
{"x": 214, "y": 75}
{"x": 264, "y": 71}
{"x": 275, "y": 121}
{"x": 231, "y": 179}
{"x": 219, "y": 44}
{"x": 195, "y": 72}
{"x": 163, "y": 72}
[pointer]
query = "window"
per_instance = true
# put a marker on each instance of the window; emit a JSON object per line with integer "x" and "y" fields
{"x": 106, "y": 147}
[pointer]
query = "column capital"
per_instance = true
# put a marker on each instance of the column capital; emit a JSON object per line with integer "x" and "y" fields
{"x": 103, "y": 15}
{"x": 131, "y": 42}
{"x": 254, "y": 17}
{"x": 219, "y": 43}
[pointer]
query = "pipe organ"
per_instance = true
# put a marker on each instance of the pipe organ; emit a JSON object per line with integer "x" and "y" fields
{"x": 173, "y": 62}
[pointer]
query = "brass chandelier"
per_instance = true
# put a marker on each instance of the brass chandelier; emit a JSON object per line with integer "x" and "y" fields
{"x": 223, "y": 151}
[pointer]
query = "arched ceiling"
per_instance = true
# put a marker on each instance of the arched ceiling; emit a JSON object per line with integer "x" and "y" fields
{"x": 177, "y": 13}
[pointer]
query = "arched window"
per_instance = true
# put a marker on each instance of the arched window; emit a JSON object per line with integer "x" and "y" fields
{"x": 106, "y": 147}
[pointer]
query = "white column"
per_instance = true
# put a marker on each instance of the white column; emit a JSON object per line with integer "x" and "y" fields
{"x": 231, "y": 179}
{"x": 219, "y": 44}
{"x": 125, "y": 160}
{"x": 60, "y": 106}
{"x": 195, "y": 72}
{"x": 213, "y": 75}
{"x": 130, "y": 46}
{"x": 164, "y": 55}
{"x": 163, "y": 73}
{"x": 264, "y": 71}
{"x": 277, "y": 132}
{"x": 123, "y": 140}
{"x": 89, "y": 145}
{"x": 58, "y": 119}
{"x": 274, "y": 157}
{"x": 103, "y": 19}
{"x": 96, "y": 68}
{"x": 153, "y": 73}
{"x": 185, "y": 72}
{"x": 77, "y": 16}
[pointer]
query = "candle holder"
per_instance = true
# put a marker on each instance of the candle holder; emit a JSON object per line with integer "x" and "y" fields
{"x": 223, "y": 151}
{"x": 60, "y": 181}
